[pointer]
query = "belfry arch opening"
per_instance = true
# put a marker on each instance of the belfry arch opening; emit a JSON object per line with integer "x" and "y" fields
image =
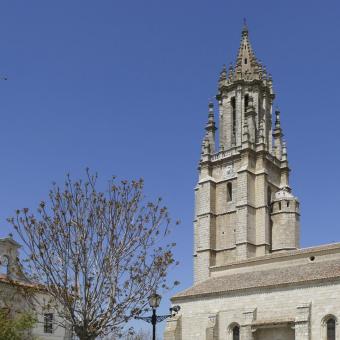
{"x": 246, "y": 101}
{"x": 233, "y": 113}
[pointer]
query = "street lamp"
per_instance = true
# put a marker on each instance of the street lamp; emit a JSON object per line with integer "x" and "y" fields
{"x": 154, "y": 302}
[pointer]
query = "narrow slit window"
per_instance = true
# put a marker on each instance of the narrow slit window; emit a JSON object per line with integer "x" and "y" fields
{"x": 229, "y": 192}
{"x": 245, "y": 61}
{"x": 269, "y": 197}
{"x": 233, "y": 113}
{"x": 271, "y": 234}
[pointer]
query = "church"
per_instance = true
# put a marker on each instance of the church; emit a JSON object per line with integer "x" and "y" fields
{"x": 252, "y": 281}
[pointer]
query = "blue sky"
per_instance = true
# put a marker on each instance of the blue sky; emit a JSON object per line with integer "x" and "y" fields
{"x": 122, "y": 87}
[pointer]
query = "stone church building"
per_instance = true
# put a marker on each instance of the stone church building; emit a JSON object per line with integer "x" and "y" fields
{"x": 252, "y": 281}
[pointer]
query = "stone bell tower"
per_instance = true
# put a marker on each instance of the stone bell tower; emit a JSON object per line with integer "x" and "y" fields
{"x": 244, "y": 207}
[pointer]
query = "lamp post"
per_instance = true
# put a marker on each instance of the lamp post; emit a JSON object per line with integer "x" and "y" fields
{"x": 154, "y": 302}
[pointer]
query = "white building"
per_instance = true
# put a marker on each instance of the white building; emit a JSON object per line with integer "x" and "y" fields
{"x": 251, "y": 279}
{"x": 15, "y": 296}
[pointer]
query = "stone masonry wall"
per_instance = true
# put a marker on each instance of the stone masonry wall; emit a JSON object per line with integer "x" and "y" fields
{"x": 268, "y": 305}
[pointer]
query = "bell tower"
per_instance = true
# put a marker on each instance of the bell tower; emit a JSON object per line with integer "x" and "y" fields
{"x": 244, "y": 207}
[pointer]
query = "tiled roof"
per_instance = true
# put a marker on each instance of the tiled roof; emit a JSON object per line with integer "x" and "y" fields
{"x": 314, "y": 271}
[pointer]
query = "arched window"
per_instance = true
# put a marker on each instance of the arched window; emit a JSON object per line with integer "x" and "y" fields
{"x": 246, "y": 101}
{"x": 236, "y": 333}
{"x": 330, "y": 325}
{"x": 229, "y": 192}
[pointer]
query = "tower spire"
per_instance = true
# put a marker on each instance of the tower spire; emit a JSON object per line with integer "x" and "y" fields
{"x": 241, "y": 187}
{"x": 247, "y": 65}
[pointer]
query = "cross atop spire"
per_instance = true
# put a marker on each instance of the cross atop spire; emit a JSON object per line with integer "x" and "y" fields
{"x": 245, "y": 27}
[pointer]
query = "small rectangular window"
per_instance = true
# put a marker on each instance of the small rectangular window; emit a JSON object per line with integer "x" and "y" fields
{"x": 48, "y": 323}
{"x": 229, "y": 192}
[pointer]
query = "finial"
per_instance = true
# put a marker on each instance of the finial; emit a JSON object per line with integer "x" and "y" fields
{"x": 245, "y": 27}
{"x": 231, "y": 72}
{"x": 277, "y": 118}
{"x": 211, "y": 111}
{"x": 223, "y": 74}
{"x": 210, "y": 127}
{"x": 284, "y": 148}
{"x": 284, "y": 151}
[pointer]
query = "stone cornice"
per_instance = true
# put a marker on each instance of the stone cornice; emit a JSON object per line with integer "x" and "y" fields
{"x": 288, "y": 255}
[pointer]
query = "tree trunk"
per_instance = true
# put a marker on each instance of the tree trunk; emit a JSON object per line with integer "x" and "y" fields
{"x": 86, "y": 337}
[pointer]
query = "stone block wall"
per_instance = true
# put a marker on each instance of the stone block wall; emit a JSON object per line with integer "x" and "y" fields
{"x": 296, "y": 310}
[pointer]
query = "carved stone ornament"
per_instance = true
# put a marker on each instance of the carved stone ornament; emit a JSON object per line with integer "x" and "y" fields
{"x": 4, "y": 261}
{"x": 229, "y": 171}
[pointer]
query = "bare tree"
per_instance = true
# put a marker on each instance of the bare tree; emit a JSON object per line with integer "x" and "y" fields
{"x": 99, "y": 254}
